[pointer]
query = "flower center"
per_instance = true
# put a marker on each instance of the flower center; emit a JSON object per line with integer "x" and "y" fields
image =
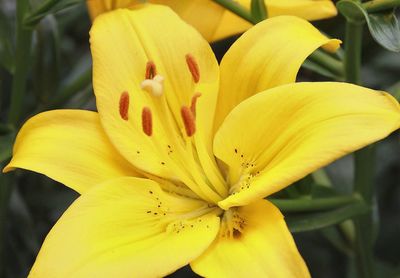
{"x": 232, "y": 224}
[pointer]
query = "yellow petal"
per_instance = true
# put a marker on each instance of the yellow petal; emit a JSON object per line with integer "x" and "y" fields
{"x": 268, "y": 55}
{"x": 70, "y": 147}
{"x": 264, "y": 248}
{"x": 279, "y": 136}
{"x": 122, "y": 43}
{"x": 126, "y": 227}
{"x": 231, "y": 24}
{"x": 222, "y": 23}
{"x": 307, "y": 9}
{"x": 195, "y": 11}
{"x": 97, "y": 7}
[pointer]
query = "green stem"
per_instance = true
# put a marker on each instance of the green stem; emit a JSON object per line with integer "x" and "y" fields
{"x": 321, "y": 178}
{"x": 42, "y": 8}
{"x": 46, "y": 7}
{"x": 380, "y": 5}
{"x": 363, "y": 185}
{"x": 364, "y": 173}
{"x": 5, "y": 190}
{"x": 319, "y": 220}
{"x": 237, "y": 9}
{"x": 352, "y": 61}
{"x": 22, "y": 54}
{"x": 327, "y": 61}
{"x": 364, "y": 166}
{"x": 302, "y": 205}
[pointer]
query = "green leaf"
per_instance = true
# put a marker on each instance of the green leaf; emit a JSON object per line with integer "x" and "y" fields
{"x": 351, "y": 10}
{"x": 319, "y": 204}
{"x": 321, "y": 177}
{"x": 395, "y": 90}
{"x": 384, "y": 27}
{"x": 325, "y": 64}
{"x": 6, "y": 183}
{"x": 313, "y": 221}
{"x": 46, "y": 62}
{"x": 79, "y": 79}
{"x": 315, "y": 67}
{"x": 258, "y": 10}
{"x": 336, "y": 237}
{"x": 6, "y": 143}
{"x": 6, "y": 129}
{"x": 237, "y": 9}
{"x": 6, "y": 46}
{"x": 48, "y": 7}
{"x": 305, "y": 185}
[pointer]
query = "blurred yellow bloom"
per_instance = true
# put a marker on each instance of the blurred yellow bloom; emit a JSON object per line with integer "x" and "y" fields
{"x": 154, "y": 198}
{"x": 214, "y": 22}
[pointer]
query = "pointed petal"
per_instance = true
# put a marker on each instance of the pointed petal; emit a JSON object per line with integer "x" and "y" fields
{"x": 123, "y": 228}
{"x": 268, "y": 55}
{"x": 70, "y": 147}
{"x": 279, "y": 136}
{"x": 122, "y": 43}
{"x": 264, "y": 248}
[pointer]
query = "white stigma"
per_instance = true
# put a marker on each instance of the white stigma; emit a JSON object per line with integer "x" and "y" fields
{"x": 154, "y": 86}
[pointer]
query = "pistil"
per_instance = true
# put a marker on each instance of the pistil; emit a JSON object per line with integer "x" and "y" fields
{"x": 154, "y": 86}
{"x": 232, "y": 224}
{"x": 188, "y": 121}
{"x": 194, "y": 102}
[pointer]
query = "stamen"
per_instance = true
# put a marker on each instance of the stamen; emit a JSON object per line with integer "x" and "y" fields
{"x": 154, "y": 86}
{"x": 193, "y": 67}
{"x": 124, "y": 105}
{"x": 193, "y": 104}
{"x": 147, "y": 121}
{"x": 151, "y": 70}
{"x": 188, "y": 120}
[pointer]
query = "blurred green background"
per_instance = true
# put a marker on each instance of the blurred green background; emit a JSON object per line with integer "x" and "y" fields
{"x": 60, "y": 77}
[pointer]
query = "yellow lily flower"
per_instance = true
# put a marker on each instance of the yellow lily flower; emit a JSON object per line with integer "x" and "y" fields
{"x": 160, "y": 95}
{"x": 220, "y": 22}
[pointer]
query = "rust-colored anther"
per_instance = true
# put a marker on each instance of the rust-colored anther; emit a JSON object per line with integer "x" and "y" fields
{"x": 193, "y": 67}
{"x": 193, "y": 104}
{"x": 188, "y": 120}
{"x": 124, "y": 105}
{"x": 151, "y": 70}
{"x": 147, "y": 121}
